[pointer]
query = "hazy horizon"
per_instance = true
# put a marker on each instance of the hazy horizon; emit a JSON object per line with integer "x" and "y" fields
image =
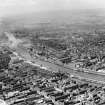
{"x": 15, "y": 7}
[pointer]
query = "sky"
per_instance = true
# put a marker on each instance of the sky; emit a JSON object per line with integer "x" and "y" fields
{"x": 10, "y": 7}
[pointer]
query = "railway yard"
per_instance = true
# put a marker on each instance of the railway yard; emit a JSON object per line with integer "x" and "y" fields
{"x": 26, "y": 84}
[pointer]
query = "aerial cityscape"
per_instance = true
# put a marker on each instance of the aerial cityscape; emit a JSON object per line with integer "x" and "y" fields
{"x": 52, "y": 56}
